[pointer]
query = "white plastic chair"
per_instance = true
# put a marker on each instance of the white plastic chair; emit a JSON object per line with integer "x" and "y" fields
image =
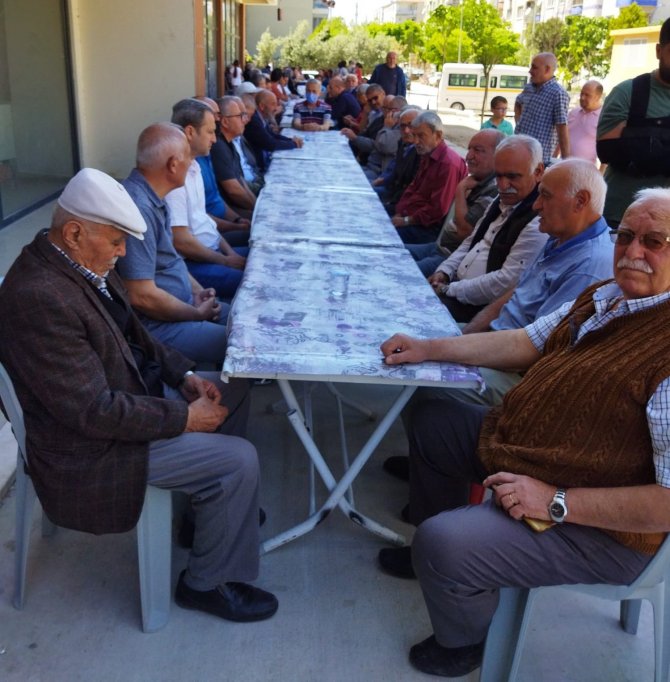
{"x": 154, "y": 528}
{"x": 504, "y": 642}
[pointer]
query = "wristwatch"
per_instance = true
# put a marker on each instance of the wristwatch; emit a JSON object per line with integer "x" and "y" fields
{"x": 188, "y": 374}
{"x": 558, "y": 510}
{"x": 406, "y": 220}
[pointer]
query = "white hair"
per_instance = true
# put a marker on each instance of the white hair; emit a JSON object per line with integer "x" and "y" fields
{"x": 656, "y": 200}
{"x": 583, "y": 175}
{"x": 530, "y": 144}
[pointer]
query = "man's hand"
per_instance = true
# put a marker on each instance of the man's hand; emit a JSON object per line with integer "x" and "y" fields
{"x": 401, "y": 348}
{"x": 299, "y": 141}
{"x": 377, "y": 181}
{"x": 467, "y": 184}
{"x": 348, "y": 133}
{"x": 521, "y": 496}
{"x": 234, "y": 260}
{"x": 311, "y": 127}
{"x": 437, "y": 280}
{"x": 203, "y": 295}
{"x": 205, "y": 415}
{"x": 208, "y": 309}
{"x": 194, "y": 387}
{"x": 399, "y": 220}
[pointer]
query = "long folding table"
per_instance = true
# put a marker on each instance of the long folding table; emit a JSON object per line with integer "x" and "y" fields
{"x": 290, "y": 323}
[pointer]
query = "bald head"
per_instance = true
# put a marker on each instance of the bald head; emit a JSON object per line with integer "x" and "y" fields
{"x": 335, "y": 86}
{"x": 590, "y": 96}
{"x": 157, "y": 143}
{"x": 543, "y": 67}
{"x": 266, "y": 103}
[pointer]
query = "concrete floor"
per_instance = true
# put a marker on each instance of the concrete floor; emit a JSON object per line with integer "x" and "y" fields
{"x": 339, "y": 618}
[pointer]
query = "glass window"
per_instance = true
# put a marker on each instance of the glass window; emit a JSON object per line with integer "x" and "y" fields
{"x": 37, "y": 147}
{"x": 463, "y": 80}
{"x": 513, "y": 82}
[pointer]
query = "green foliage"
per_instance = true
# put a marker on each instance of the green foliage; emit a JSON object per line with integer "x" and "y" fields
{"x": 631, "y": 16}
{"x": 583, "y": 48}
{"x": 312, "y": 51}
{"x": 548, "y": 35}
{"x": 329, "y": 29}
{"x": 266, "y": 48}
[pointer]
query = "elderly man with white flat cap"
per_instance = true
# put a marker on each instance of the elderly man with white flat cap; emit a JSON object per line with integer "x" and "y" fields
{"x": 108, "y": 409}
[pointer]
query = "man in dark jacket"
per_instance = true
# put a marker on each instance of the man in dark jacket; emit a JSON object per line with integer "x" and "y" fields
{"x": 109, "y": 410}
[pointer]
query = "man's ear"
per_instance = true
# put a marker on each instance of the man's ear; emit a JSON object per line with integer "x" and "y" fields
{"x": 582, "y": 198}
{"x": 72, "y": 233}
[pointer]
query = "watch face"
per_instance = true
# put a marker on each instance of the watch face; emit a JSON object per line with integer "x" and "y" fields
{"x": 557, "y": 509}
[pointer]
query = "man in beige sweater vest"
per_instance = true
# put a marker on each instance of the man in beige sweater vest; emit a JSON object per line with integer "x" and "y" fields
{"x": 580, "y": 443}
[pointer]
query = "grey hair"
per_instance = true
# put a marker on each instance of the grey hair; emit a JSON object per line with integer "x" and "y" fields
{"x": 583, "y": 175}
{"x": 410, "y": 107}
{"x": 375, "y": 87}
{"x": 189, "y": 112}
{"x": 362, "y": 88}
{"x": 431, "y": 119}
{"x": 530, "y": 144}
{"x": 157, "y": 143}
{"x": 399, "y": 101}
{"x": 658, "y": 199}
{"x": 313, "y": 80}
{"x": 226, "y": 103}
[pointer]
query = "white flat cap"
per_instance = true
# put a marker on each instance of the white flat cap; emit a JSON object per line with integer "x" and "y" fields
{"x": 96, "y": 196}
{"x": 245, "y": 88}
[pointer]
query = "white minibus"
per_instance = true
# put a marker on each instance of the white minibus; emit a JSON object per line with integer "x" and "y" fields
{"x": 462, "y": 86}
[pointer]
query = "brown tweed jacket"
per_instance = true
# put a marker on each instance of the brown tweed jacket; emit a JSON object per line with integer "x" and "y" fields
{"x": 89, "y": 418}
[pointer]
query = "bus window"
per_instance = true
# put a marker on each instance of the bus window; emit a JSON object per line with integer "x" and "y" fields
{"x": 513, "y": 82}
{"x": 466, "y": 80}
{"x": 494, "y": 82}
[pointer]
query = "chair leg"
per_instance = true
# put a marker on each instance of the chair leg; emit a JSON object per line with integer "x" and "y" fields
{"x": 154, "y": 551}
{"x": 25, "y": 503}
{"x": 661, "y": 605}
{"x": 504, "y": 641}
{"x": 629, "y": 615}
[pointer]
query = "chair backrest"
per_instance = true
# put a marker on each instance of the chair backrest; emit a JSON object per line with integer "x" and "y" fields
{"x": 13, "y": 409}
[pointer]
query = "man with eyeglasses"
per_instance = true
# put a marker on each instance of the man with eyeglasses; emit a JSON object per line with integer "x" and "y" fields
{"x": 371, "y": 123}
{"x": 578, "y": 449}
{"x": 225, "y": 158}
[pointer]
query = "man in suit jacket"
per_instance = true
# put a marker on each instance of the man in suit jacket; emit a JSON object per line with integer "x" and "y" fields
{"x": 260, "y": 137}
{"x": 109, "y": 410}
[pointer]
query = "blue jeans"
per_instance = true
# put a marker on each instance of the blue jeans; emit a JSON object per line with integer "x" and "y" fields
{"x": 418, "y": 234}
{"x": 427, "y": 257}
{"x": 221, "y": 278}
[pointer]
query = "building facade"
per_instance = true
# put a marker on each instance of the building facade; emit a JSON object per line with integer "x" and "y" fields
{"x": 397, "y": 11}
{"x": 79, "y": 79}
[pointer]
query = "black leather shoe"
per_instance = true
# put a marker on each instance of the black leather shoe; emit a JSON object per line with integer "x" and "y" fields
{"x": 397, "y": 466}
{"x": 233, "y": 601}
{"x": 432, "y": 658}
{"x": 397, "y": 561}
{"x": 187, "y": 529}
{"x": 404, "y": 514}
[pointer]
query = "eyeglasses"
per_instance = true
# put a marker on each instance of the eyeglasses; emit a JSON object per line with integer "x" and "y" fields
{"x": 244, "y": 115}
{"x": 652, "y": 241}
{"x": 405, "y": 126}
{"x": 374, "y": 98}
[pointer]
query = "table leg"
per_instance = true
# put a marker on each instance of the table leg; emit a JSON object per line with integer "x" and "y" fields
{"x": 337, "y": 489}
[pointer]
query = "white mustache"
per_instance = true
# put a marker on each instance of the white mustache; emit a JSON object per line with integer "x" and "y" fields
{"x": 635, "y": 264}
{"x": 507, "y": 191}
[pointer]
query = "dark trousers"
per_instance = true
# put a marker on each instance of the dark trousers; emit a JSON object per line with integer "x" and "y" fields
{"x": 463, "y": 556}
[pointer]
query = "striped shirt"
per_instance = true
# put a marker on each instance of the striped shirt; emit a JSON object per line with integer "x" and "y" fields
{"x": 319, "y": 113}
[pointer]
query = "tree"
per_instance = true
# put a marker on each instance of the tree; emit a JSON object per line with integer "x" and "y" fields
{"x": 631, "y": 16}
{"x": 584, "y": 47}
{"x": 266, "y": 48}
{"x": 548, "y": 35}
{"x": 329, "y": 28}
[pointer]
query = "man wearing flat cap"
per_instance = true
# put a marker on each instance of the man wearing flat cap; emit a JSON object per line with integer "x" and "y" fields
{"x": 109, "y": 410}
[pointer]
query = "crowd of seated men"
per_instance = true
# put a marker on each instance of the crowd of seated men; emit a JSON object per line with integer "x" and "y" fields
{"x": 517, "y": 250}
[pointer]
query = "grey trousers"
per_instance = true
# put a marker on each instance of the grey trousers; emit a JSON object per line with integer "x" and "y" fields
{"x": 219, "y": 471}
{"x": 463, "y": 556}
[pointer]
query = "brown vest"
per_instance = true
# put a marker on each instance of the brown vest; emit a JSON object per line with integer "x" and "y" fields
{"x": 578, "y": 418}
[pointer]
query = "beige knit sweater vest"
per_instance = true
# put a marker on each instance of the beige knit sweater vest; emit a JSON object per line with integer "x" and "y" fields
{"x": 578, "y": 417}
